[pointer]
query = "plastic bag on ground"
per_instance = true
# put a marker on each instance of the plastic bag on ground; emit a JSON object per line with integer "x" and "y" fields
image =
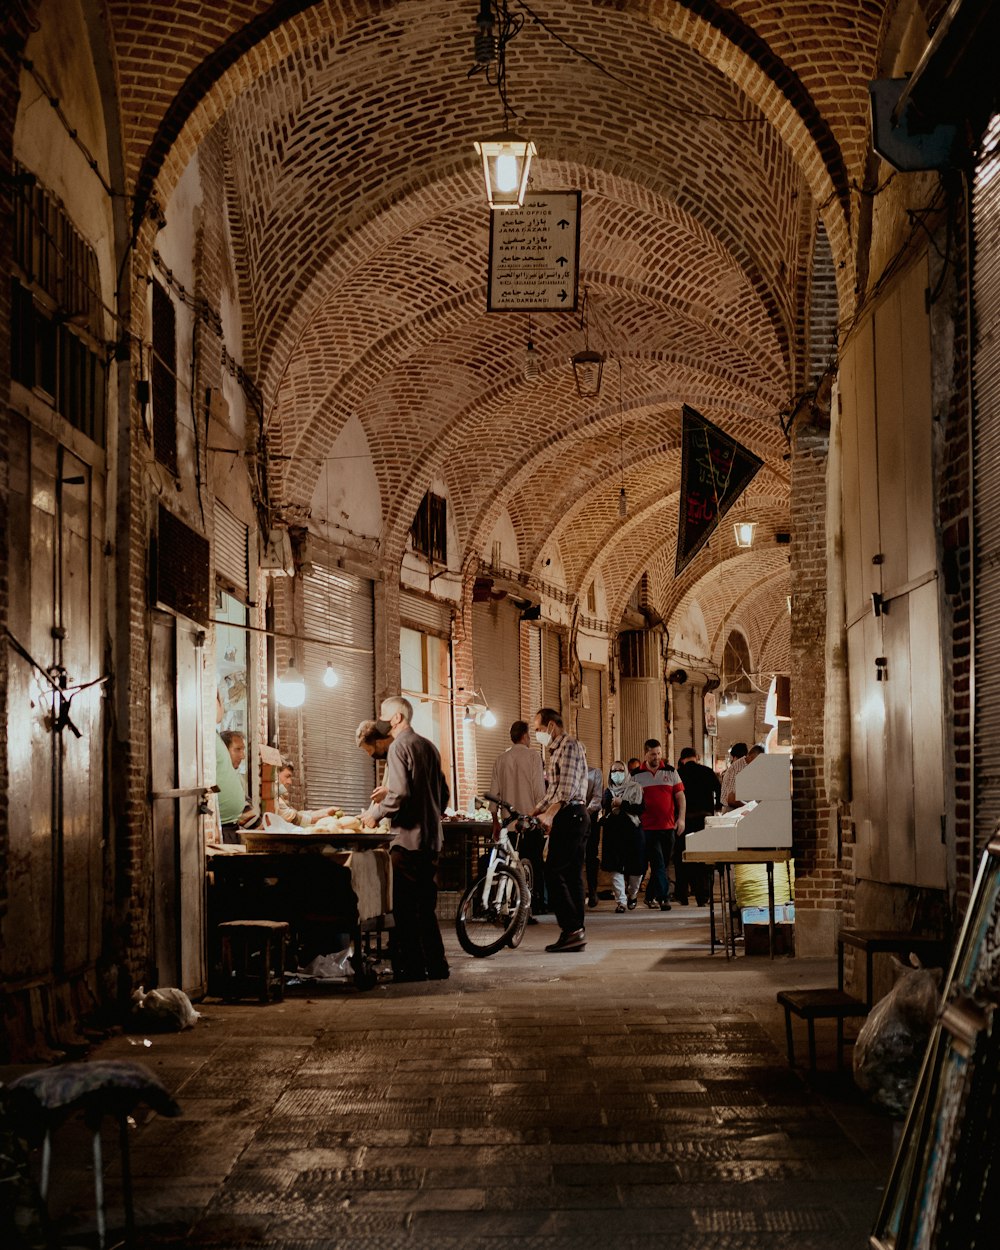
{"x": 334, "y": 967}
{"x": 890, "y": 1047}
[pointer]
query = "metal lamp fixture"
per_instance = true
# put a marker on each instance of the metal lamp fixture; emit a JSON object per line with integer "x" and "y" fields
{"x": 506, "y": 164}
{"x": 506, "y": 157}
{"x": 588, "y": 365}
{"x": 532, "y": 367}
{"x": 744, "y": 532}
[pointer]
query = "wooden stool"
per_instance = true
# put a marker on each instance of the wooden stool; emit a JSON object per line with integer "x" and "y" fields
{"x": 813, "y": 1005}
{"x": 253, "y": 959}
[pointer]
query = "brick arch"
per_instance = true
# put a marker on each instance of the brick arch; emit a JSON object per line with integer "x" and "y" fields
{"x": 344, "y": 325}
{"x": 215, "y": 65}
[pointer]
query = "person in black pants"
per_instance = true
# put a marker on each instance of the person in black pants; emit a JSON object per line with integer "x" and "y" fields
{"x": 703, "y": 791}
{"x": 413, "y": 797}
{"x": 563, "y": 811}
{"x": 595, "y": 790}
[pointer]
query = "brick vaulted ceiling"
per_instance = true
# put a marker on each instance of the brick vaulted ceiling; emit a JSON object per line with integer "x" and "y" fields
{"x": 709, "y": 141}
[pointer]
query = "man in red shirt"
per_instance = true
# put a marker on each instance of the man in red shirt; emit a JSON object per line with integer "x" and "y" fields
{"x": 662, "y": 819}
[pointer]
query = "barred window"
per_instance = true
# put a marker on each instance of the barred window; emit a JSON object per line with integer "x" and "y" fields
{"x": 57, "y": 339}
{"x": 429, "y": 530}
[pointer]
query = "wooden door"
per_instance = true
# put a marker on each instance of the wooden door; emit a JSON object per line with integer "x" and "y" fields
{"x": 177, "y": 783}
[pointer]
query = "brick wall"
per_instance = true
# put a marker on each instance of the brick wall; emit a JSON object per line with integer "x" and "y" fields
{"x": 817, "y": 888}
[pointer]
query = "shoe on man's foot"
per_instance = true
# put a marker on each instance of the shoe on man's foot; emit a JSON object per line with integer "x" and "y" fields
{"x": 571, "y": 940}
{"x": 619, "y": 909}
{"x": 592, "y": 901}
{"x": 632, "y": 904}
{"x": 664, "y": 907}
{"x": 652, "y": 904}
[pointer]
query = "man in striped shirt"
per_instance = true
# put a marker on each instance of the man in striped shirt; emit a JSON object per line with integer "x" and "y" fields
{"x": 563, "y": 812}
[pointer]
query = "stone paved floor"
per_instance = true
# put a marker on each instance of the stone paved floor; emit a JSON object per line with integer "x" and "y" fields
{"x": 635, "y": 1094}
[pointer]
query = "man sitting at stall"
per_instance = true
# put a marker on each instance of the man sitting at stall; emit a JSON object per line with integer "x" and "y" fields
{"x": 284, "y": 809}
{"x": 413, "y": 797}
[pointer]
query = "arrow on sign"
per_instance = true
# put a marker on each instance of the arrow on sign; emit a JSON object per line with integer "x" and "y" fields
{"x": 562, "y": 261}
{"x": 563, "y": 225}
{"x": 563, "y": 295}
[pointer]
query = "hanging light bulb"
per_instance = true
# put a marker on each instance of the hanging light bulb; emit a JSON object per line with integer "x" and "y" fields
{"x": 489, "y": 720}
{"x": 330, "y": 678}
{"x": 290, "y": 690}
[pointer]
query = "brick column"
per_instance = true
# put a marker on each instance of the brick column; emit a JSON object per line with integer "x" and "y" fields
{"x": 817, "y": 874}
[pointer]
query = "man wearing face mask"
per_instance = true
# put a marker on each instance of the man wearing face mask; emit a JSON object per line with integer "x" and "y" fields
{"x": 413, "y": 796}
{"x": 563, "y": 811}
{"x": 662, "y": 819}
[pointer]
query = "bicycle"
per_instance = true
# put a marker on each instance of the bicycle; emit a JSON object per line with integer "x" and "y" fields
{"x": 494, "y": 910}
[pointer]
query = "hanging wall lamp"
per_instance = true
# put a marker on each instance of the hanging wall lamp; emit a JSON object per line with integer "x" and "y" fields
{"x": 506, "y": 157}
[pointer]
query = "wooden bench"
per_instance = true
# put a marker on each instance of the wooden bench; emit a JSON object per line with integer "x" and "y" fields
{"x": 820, "y": 1004}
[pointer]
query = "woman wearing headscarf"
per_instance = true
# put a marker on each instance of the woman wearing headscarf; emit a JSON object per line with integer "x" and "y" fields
{"x": 623, "y": 850}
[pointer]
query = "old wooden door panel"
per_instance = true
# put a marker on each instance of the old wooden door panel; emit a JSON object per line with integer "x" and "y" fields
{"x": 26, "y": 950}
{"x": 915, "y": 347}
{"x": 870, "y": 539}
{"x": 889, "y": 498}
{"x": 899, "y": 816}
{"x": 163, "y": 746}
{"x": 928, "y": 732}
{"x": 82, "y": 774}
{"x": 190, "y": 776}
{"x": 875, "y": 711}
{"x": 851, "y": 495}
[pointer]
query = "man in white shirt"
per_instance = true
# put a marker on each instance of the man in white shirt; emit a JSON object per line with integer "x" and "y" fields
{"x": 518, "y": 777}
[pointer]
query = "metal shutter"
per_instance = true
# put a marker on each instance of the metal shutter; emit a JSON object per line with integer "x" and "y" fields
{"x": 534, "y": 672}
{"x": 496, "y": 658}
{"x": 551, "y": 686}
{"x": 337, "y": 606}
{"x": 986, "y": 482}
{"x": 425, "y": 615}
{"x": 232, "y": 562}
{"x": 589, "y": 719}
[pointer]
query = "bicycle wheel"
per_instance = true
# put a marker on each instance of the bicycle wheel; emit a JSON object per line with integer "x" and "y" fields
{"x": 484, "y": 922}
{"x": 517, "y": 932}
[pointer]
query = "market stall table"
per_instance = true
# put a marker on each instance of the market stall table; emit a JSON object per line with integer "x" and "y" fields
{"x": 722, "y": 861}
{"x": 321, "y": 884}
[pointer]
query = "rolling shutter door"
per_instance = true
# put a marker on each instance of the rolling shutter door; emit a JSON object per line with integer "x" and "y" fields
{"x": 337, "y": 606}
{"x": 231, "y": 539}
{"x": 986, "y": 482}
{"x": 588, "y": 721}
{"x": 534, "y": 673}
{"x": 496, "y": 658}
{"x": 551, "y": 695}
{"x": 425, "y": 615}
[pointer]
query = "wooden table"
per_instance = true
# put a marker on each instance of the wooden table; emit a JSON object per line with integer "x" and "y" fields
{"x": 722, "y": 862}
{"x": 885, "y": 941}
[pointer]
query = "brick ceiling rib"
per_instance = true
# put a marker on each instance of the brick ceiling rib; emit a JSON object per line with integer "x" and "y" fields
{"x": 706, "y": 137}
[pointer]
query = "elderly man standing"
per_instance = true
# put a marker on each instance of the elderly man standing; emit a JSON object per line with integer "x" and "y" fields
{"x": 413, "y": 797}
{"x": 563, "y": 811}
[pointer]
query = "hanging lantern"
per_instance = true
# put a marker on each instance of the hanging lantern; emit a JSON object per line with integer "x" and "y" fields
{"x": 506, "y": 163}
{"x": 744, "y": 532}
{"x": 588, "y": 366}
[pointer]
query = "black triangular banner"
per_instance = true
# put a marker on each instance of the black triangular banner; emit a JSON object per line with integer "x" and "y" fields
{"x": 715, "y": 470}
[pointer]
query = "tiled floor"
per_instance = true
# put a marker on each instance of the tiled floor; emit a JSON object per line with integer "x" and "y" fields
{"x": 634, "y": 1094}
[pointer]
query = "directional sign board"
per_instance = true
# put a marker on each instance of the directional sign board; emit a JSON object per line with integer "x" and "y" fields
{"x": 535, "y": 254}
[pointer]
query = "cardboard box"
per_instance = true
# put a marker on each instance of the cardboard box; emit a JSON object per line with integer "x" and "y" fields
{"x": 755, "y": 939}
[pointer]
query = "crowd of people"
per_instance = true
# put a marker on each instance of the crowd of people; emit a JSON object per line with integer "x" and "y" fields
{"x": 634, "y": 828}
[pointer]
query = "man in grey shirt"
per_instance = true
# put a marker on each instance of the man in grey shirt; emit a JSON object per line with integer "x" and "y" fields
{"x": 519, "y": 779}
{"x": 413, "y": 796}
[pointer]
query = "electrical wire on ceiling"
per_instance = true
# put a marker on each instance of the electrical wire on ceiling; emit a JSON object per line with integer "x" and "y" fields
{"x": 666, "y": 105}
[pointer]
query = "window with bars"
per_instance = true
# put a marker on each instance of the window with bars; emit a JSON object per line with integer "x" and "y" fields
{"x": 429, "y": 531}
{"x": 57, "y": 339}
